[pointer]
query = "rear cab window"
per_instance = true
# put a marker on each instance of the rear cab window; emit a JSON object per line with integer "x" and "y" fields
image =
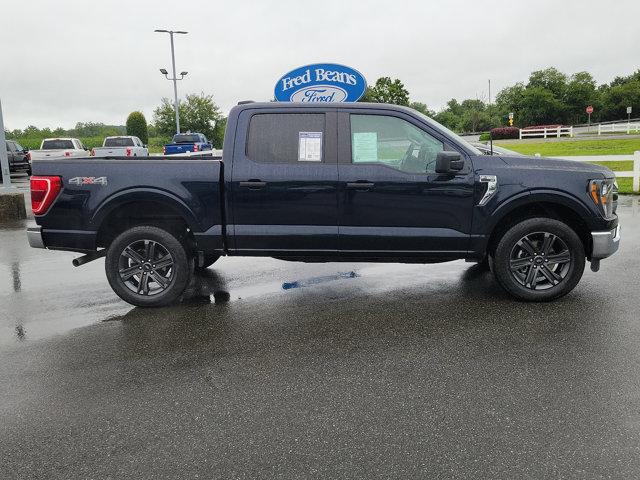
{"x": 119, "y": 142}
{"x": 57, "y": 144}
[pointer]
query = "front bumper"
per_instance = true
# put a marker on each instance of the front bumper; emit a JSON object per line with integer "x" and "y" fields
{"x": 605, "y": 244}
{"x": 34, "y": 235}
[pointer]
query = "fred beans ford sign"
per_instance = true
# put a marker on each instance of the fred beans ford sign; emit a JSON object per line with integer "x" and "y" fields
{"x": 321, "y": 82}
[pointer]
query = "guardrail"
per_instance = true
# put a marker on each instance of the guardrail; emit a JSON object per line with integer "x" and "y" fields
{"x": 546, "y": 132}
{"x": 635, "y": 157}
{"x": 619, "y": 127}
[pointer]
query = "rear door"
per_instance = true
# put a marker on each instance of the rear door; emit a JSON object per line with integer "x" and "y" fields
{"x": 391, "y": 201}
{"x": 284, "y": 183}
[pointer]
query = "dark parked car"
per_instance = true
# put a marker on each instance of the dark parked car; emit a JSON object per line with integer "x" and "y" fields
{"x": 19, "y": 158}
{"x": 328, "y": 182}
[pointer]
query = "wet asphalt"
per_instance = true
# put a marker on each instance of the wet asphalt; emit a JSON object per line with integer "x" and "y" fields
{"x": 288, "y": 370}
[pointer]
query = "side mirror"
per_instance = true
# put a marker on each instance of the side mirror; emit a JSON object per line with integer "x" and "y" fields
{"x": 449, "y": 162}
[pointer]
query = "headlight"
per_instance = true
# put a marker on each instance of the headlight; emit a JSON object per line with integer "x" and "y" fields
{"x": 601, "y": 192}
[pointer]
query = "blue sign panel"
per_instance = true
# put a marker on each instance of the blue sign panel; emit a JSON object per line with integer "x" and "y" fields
{"x": 321, "y": 82}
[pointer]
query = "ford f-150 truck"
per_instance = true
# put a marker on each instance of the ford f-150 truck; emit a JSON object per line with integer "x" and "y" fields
{"x": 328, "y": 182}
{"x": 187, "y": 142}
{"x": 59, "y": 147}
{"x": 123, "y": 146}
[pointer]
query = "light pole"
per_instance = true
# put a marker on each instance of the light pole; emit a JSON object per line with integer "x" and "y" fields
{"x": 175, "y": 78}
{"x": 4, "y": 160}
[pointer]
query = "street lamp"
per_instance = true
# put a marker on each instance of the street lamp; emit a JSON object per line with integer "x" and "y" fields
{"x": 175, "y": 78}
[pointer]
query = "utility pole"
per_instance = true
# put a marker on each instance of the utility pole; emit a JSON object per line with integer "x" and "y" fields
{"x": 489, "y": 91}
{"x": 175, "y": 78}
{"x": 4, "y": 160}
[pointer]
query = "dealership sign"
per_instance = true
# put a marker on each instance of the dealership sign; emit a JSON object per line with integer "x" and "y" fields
{"x": 321, "y": 82}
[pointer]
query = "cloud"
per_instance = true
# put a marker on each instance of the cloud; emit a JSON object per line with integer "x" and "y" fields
{"x": 77, "y": 61}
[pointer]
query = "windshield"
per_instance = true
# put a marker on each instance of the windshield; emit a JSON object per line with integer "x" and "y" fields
{"x": 186, "y": 138}
{"x": 118, "y": 142}
{"x": 449, "y": 133}
{"x": 57, "y": 144}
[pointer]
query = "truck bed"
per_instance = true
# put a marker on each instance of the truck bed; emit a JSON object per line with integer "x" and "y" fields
{"x": 93, "y": 188}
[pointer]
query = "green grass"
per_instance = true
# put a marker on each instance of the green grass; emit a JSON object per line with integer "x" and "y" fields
{"x": 607, "y": 146}
{"x": 625, "y": 185}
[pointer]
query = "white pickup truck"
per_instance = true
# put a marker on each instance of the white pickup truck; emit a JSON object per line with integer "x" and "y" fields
{"x": 124, "y": 146}
{"x": 59, "y": 147}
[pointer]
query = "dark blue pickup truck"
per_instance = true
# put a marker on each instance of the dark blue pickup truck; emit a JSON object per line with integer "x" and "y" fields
{"x": 187, "y": 142}
{"x": 328, "y": 182}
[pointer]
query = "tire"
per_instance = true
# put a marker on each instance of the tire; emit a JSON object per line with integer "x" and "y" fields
{"x": 208, "y": 261}
{"x": 539, "y": 259}
{"x": 130, "y": 260}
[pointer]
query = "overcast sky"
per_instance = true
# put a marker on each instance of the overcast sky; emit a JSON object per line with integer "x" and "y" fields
{"x": 69, "y": 61}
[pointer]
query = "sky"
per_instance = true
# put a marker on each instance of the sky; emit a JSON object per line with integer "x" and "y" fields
{"x": 69, "y": 61}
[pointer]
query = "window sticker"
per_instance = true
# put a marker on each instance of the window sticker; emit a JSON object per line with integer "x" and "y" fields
{"x": 309, "y": 146}
{"x": 364, "y": 147}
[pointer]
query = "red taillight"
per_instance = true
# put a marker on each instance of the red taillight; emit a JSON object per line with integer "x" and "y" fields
{"x": 44, "y": 191}
{"x": 67, "y": 154}
{"x": 93, "y": 152}
{"x": 195, "y": 148}
{"x": 128, "y": 151}
{"x": 164, "y": 150}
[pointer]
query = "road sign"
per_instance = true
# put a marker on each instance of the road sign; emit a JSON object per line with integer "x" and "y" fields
{"x": 629, "y": 110}
{"x": 590, "y": 109}
{"x": 511, "y": 115}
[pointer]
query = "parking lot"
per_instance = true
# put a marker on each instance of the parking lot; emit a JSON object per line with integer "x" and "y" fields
{"x": 293, "y": 370}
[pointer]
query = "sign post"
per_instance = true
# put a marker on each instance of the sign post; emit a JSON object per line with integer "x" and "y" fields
{"x": 511, "y": 119}
{"x": 589, "y": 111}
{"x": 4, "y": 160}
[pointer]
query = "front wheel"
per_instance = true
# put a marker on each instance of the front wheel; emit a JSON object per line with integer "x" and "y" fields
{"x": 539, "y": 259}
{"x": 148, "y": 267}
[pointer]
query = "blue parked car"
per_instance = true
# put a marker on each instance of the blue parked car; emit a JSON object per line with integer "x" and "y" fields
{"x": 187, "y": 142}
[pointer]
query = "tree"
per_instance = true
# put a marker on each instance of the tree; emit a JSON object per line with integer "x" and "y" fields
{"x": 422, "y": 108}
{"x": 387, "y": 91}
{"x": 137, "y": 126}
{"x": 580, "y": 92}
{"x": 217, "y": 139}
{"x": 540, "y": 106}
{"x": 550, "y": 79}
{"x": 198, "y": 113}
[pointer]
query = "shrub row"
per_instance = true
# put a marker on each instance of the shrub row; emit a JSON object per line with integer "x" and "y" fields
{"x": 503, "y": 133}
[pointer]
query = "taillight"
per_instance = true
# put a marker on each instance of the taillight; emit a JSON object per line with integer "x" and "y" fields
{"x": 195, "y": 147}
{"x": 128, "y": 151}
{"x": 67, "y": 154}
{"x": 28, "y": 156}
{"x": 44, "y": 191}
{"x": 93, "y": 152}
{"x": 164, "y": 150}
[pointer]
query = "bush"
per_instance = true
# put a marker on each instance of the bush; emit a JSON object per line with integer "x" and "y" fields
{"x": 137, "y": 126}
{"x": 503, "y": 133}
{"x": 485, "y": 136}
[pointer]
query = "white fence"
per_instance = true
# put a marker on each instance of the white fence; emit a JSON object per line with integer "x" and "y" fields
{"x": 619, "y": 127}
{"x": 635, "y": 157}
{"x": 546, "y": 132}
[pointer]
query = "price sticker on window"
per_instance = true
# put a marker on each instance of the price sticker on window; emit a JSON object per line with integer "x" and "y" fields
{"x": 309, "y": 146}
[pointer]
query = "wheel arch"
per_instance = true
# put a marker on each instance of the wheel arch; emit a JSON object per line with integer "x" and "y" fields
{"x": 551, "y": 204}
{"x": 141, "y": 207}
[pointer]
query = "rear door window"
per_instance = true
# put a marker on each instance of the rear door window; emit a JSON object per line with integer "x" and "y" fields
{"x": 286, "y": 138}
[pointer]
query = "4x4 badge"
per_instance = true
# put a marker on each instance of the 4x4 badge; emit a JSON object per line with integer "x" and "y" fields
{"x": 88, "y": 181}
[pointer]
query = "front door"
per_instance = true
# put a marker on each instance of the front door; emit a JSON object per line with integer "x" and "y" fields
{"x": 391, "y": 201}
{"x": 284, "y": 183}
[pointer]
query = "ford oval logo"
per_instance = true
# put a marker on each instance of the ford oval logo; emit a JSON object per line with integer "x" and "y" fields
{"x": 321, "y": 82}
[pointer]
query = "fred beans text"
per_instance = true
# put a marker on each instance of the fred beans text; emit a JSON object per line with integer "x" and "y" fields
{"x": 319, "y": 75}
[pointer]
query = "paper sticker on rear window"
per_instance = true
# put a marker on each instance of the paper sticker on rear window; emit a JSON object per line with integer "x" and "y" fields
{"x": 309, "y": 146}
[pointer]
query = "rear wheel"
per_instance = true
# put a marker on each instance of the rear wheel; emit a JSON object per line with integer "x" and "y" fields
{"x": 539, "y": 259}
{"x": 148, "y": 266}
